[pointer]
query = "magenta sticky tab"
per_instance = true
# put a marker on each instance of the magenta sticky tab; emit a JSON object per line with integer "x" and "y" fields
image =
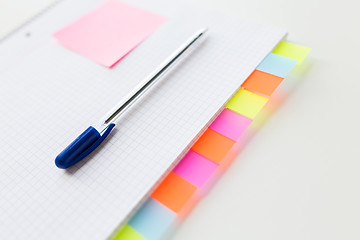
{"x": 110, "y": 32}
{"x": 195, "y": 168}
{"x": 230, "y": 124}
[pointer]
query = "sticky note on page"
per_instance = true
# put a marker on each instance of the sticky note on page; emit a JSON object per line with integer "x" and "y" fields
{"x": 110, "y": 32}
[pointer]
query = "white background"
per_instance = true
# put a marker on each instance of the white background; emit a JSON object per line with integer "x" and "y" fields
{"x": 299, "y": 176}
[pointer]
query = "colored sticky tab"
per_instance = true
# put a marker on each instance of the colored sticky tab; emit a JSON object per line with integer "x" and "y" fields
{"x": 292, "y": 50}
{"x": 247, "y": 103}
{"x": 213, "y": 145}
{"x": 262, "y": 83}
{"x": 152, "y": 220}
{"x": 277, "y": 65}
{"x": 174, "y": 192}
{"x": 108, "y": 33}
{"x": 128, "y": 233}
{"x": 230, "y": 124}
{"x": 195, "y": 168}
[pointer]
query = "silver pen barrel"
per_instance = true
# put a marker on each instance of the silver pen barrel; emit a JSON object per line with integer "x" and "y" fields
{"x": 154, "y": 77}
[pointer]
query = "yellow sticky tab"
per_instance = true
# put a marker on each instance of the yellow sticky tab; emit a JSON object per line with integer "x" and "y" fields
{"x": 128, "y": 233}
{"x": 246, "y": 103}
{"x": 292, "y": 50}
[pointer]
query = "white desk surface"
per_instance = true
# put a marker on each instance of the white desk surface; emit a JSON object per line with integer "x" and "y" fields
{"x": 299, "y": 176}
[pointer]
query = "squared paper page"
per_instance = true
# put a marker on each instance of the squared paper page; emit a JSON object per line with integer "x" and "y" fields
{"x": 49, "y": 95}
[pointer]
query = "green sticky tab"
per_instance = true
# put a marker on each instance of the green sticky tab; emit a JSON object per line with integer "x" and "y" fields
{"x": 292, "y": 50}
{"x": 128, "y": 233}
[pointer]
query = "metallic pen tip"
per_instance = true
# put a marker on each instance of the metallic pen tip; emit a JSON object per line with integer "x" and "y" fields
{"x": 203, "y": 30}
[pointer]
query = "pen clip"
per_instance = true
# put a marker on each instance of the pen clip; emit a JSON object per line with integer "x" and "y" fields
{"x": 82, "y": 146}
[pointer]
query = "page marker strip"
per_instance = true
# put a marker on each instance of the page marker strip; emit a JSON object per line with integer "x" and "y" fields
{"x": 292, "y": 50}
{"x": 174, "y": 192}
{"x": 213, "y": 145}
{"x": 262, "y": 83}
{"x": 128, "y": 233}
{"x": 194, "y": 170}
{"x": 247, "y": 103}
{"x": 152, "y": 220}
{"x": 230, "y": 124}
{"x": 276, "y": 65}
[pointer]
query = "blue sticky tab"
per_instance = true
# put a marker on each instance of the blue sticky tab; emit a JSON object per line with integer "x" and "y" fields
{"x": 276, "y": 65}
{"x": 152, "y": 220}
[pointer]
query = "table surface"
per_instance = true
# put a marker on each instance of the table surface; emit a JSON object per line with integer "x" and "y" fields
{"x": 298, "y": 176}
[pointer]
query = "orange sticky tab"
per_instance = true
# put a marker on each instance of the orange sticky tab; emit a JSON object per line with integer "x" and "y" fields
{"x": 262, "y": 82}
{"x": 174, "y": 192}
{"x": 213, "y": 145}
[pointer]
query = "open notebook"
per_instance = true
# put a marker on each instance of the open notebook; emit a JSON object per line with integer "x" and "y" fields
{"x": 49, "y": 95}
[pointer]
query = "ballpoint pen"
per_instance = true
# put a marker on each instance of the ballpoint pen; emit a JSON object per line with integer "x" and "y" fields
{"x": 92, "y": 137}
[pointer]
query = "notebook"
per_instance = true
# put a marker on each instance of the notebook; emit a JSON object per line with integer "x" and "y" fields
{"x": 50, "y": 94}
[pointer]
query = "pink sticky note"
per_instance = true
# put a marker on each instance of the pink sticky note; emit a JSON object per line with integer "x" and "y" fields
{"x": 109, "y": 32}
{"x": 230, "y": 124}
{"x": 195, "y": 168}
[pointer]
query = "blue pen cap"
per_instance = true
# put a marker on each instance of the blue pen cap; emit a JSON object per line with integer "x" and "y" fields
{"x": 69, "y": 156}
{"x": 87, "y": 142}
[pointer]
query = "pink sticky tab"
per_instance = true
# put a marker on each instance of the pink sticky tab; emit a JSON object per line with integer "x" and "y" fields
{"x": 195, "y": 168}
{"x": 230, "y": 124}
{"x": 108, "y": 33}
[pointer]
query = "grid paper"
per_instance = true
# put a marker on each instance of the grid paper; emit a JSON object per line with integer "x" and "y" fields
{"x": 52, "y": 94}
